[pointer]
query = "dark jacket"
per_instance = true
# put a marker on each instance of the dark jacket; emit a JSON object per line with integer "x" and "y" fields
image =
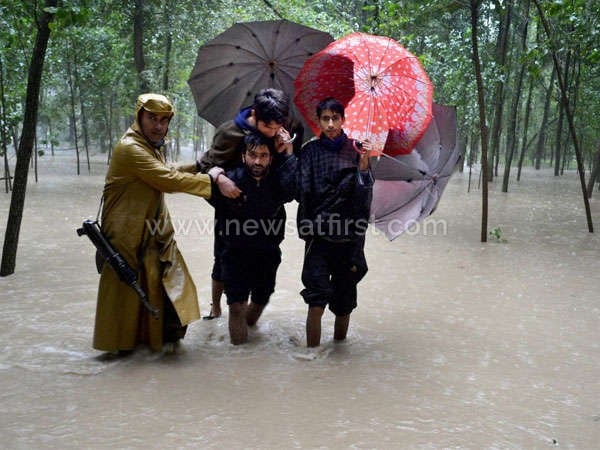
{"x": 334, "y": 195}
{"x": 256, "y": 219}
{"x": 228, "y": 144}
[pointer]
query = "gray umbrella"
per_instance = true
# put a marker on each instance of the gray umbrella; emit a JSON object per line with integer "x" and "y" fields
{"x": 246, "y": 58}
{"x": 408, "y": 187}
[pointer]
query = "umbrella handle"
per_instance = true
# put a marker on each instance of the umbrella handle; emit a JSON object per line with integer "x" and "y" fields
{"x": 290, "y": 140}
{"x": 358, "y": 146}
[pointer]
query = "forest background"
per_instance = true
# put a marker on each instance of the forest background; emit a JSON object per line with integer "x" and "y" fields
{"x": 502, "y": 63}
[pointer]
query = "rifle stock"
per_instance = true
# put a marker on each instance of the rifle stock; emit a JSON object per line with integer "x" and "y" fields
{"x": 126, "y": 274}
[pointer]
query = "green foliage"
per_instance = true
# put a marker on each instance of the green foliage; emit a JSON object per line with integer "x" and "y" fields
{"x": 94, "y": 39}
{"x": 496, "y": 235}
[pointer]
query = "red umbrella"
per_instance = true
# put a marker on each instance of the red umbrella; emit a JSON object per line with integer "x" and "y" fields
{"x": 386, "y": 93}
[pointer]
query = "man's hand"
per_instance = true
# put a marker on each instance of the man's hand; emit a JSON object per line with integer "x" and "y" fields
{"x": 363, "y": 162}
{"x": 227, "y": 187}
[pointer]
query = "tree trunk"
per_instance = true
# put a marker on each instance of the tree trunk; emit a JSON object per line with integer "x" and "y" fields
{"x": 576, "y": 76}
{"x": 539, "y": 150}
{"x": 110, "y": 126}
{"x": 462, "y": 145}
{"x": 567, "y": 109}
{"x": 168, "y": 7}
{"x": 3, "y": 136}
{"x": 177, "y": 151}
{"x": 501, "y": 50}
{"x": 17, "y": 202}
{"x": 138, "y": 44}
{"x": 473, "y": 152}
{"x": 73, "y": 115}
{"x": 513, "y": 125}
{"x": 35, "y": 159}
{"x": 196, "y": 135}
{"x": 559, "y": 128}
{"x": 482, "y": 125}
{"x": 595, "y": 172}
{"x": 50, "y": 138}
{"x": 84, "y": 128}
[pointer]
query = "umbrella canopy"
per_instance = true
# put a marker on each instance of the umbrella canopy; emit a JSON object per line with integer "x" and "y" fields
{"x": 408, "y": 186}
{"x": 246, "y": 58}
{"x": 386, "y": 93}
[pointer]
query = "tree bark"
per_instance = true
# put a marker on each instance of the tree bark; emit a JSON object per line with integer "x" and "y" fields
{"x": 513, "y": 126}
{"x": 3, "y": 136}
{"x": 559, "y": 128}
{"x": 567, "y": 109}
{"x": 482, "y": 124}
{"x": 501, "y": 50}
{"x": 84, "y": 127}
{"x": 595, "y": 172}
{"x": 168, "y": 7}
{"x": 541, "y": 143}
{"x": 73, "y": 115}
{"x": 138, "y": 44}
{"x": 17, "y": 202}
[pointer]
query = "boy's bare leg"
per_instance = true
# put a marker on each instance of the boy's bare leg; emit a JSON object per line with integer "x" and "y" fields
{"x": 253, "y": 314}
{"x": 340, "y": 328}
{"x": 216, "y": 294}
{"x": 313, "y": 326}
{"x": 238, "y": 330}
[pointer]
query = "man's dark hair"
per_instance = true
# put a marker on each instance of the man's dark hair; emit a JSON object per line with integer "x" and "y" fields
{"x": 254, "y": 140}
{"x": 271, "y": 105}
{"x": 332, "y": 104}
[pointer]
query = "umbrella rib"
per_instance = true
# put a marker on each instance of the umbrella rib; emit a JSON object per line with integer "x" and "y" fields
{"x": 291, "y": 43}
{"x": 425, "y": 174}
{"x": 222, "y": 48}
{"x": 239, "y": 79}
{"x": 416, "y": 194}
{"x": 253, "y": 34}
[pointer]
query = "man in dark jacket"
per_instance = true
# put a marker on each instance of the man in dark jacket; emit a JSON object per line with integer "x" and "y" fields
{"x": 334, "y": 195}
{"x": 265, "y": 117}
{"x": 250, "y": 228}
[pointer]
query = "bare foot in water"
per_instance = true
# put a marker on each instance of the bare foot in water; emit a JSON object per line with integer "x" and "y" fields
{"x": 215, "y": 311}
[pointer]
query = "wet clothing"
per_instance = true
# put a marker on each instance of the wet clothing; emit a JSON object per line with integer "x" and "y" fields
{"x": 226, "y": 152}
{"x": 334, "y": 201}
{"x": 136, "y": 179}
{"x": 251, "y": 227}
{"x": 228, "y": 144}
{"x": 330, "y": 273}
{"x": 250, "y": 274}
{"x": 334, "y": 196}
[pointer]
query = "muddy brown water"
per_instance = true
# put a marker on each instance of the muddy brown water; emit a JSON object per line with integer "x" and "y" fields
{"x": 455, "y": 343}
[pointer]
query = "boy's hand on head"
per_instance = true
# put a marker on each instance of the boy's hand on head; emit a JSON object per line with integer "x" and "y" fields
{"x": 283, "y": 141}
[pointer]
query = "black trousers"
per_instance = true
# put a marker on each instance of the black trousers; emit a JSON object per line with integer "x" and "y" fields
{"x": 249, "y": 271}
{"x": 331, "y": 272}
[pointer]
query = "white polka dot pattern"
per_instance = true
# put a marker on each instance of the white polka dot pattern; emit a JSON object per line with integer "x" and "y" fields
{"x": 385, "y": 90}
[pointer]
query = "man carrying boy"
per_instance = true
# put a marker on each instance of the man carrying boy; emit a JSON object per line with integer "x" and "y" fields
{"x": 250, "y": 229}
{"x": 265, "y": 117}
{"x": 334, "y": 195}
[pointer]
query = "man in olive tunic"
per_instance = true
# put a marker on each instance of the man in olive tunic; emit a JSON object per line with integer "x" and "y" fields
{"x": 136, "y": 221}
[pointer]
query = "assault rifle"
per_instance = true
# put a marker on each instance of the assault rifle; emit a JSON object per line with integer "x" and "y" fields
{"x": 126, "y": 274}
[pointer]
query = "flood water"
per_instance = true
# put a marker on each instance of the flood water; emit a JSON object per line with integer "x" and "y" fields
{"x": 455, "y": 343}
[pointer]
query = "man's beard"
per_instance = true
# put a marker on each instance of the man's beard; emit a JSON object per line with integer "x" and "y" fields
{"x": 258, "y": 171}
